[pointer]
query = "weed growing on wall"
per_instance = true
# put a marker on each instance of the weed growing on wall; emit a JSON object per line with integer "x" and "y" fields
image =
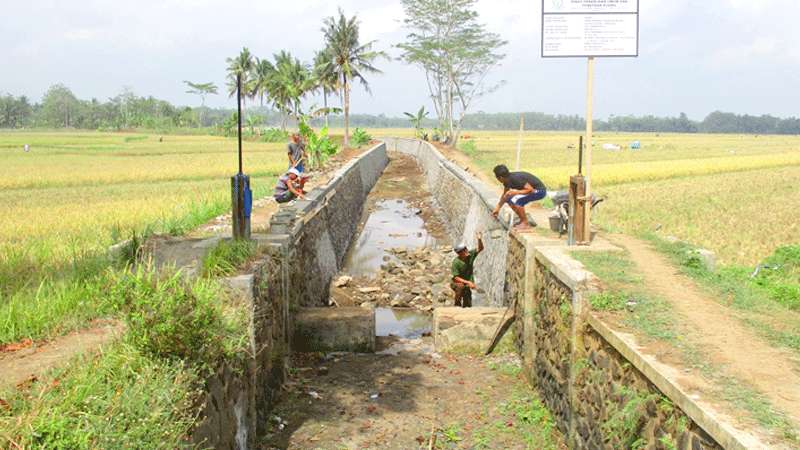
{"x": 227, "y": 257}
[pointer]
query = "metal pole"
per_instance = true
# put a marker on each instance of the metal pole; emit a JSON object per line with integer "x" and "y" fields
{"x": 589, "y": 118}
{"x": 239, "y": 115}
{"x": 580, "y": 155}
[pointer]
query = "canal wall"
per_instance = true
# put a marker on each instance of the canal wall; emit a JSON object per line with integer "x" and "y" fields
{"x": 602, "y": 392}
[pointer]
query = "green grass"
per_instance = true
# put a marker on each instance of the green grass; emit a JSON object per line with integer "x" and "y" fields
{"x": 768, "y": 302}
{"x": 227, "y": 257}
{"x": 142, "y": 391}
{"x": 119, "y": 399}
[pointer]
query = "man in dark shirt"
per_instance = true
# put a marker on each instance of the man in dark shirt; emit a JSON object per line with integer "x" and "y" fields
{"x": 462, "y": 269}
{"x": 519, "y": 189}
{"x": 297, "y": 153}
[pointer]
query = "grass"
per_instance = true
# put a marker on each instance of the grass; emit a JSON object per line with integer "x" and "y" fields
{"x": 142, "y": 391}
{"x": 119, "y": 399}
{"x": 227, "y": 257}
{"x": 75, "y": 193}
{"x": 769, "y": 302}
{"x": 728, "y": 180}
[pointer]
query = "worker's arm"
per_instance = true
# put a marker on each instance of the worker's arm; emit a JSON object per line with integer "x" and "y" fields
{"x": 500, "y": 203}
{"x": 524, "y": 191}
{"x": 292, "y": 162}
{"x": 469, "y": 284}
{"x": 294, "y": 190}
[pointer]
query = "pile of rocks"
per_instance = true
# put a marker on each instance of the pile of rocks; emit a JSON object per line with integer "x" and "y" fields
{"x": 415, "y": 278}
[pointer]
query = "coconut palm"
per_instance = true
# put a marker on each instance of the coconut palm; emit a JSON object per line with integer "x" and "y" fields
{"x": 242, "y": 66}
{"x": 325, "y": 78}
{"x": 201, "y": 89}
{"x": 350, "y": 60}
{"x": 289, "y": 84}
{"x": 263, "y": 72}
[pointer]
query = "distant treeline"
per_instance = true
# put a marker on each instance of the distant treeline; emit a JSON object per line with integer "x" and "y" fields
{"x": 60, "y": 108}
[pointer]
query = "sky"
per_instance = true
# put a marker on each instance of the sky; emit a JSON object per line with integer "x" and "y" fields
{"x": 695, "y": 56}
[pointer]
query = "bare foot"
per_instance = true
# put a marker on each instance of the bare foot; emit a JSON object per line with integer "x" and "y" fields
{"x": 523, "y": 227}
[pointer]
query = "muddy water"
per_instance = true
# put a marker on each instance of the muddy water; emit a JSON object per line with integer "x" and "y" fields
{"x": 404, "y": 323}
{"x": 392, "y": 224}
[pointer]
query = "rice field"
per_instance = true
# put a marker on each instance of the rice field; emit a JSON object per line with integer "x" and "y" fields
{"x": 734, "y": 194}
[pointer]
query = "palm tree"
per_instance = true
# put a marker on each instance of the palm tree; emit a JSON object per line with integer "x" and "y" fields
{"x": 290, "y": 83}
{"x": 263, "y": 72}
{"x": 350, "y": 60}
{"x": 242, "y": 66}
{"x": 201, "y": 89}
{"x": 325, "y": 77}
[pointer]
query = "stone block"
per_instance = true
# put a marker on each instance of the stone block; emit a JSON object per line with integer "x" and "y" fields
{"x": 707, "y": 258}
{"x": 465, "y": 330}
{"x": 349, "y": 329}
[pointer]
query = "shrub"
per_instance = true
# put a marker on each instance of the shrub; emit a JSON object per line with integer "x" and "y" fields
{"x": 118, "y": 399}
{"x": 468, "y": 147}
{"x": 360, "y": 137}
{"x": 174, "y": 319}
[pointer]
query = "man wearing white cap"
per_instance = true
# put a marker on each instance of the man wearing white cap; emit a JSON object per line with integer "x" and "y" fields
{"x": 463, "y": 281}
{"x": 290, "y": 186}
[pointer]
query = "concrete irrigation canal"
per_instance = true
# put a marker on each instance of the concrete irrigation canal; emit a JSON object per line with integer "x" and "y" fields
{"x": 355, "y": 342}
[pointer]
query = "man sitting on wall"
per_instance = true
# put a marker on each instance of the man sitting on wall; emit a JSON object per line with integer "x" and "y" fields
{"x": 290, "y": 186}
{"x": 462, "y": 270}
{"x": 519, "y": 189}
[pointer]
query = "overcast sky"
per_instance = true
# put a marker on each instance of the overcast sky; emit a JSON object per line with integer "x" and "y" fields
{"x": 695, "y": 56}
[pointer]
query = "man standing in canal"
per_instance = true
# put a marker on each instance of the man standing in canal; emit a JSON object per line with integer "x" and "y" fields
{"x": 463, "y": 281}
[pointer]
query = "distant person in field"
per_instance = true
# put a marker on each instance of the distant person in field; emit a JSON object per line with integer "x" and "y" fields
{"x": 297, "y": 153}
{"x": 519, "y": 189}
{"x": 463, "y": 281}
{"x": 290, "y": 186}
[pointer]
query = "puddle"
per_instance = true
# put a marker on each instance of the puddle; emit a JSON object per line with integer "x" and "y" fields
{"x": 404, "y": 323}
{"x": 392, "y": 224}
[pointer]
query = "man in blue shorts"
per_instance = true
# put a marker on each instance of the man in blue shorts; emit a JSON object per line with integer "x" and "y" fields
{"x": 519, "y": 189}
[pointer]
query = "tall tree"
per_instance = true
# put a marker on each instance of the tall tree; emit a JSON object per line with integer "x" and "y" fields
{"x": 455, "y": 51}
{"x": 59, "y": 106}
{"x": 325, "y": 77}
{"x": 350, "y": 60}
{"x": 289, "y": 83}
{"x": 201, "y": 89}
{"x": 241, "y": 65}
{"x": 263, "y": 73}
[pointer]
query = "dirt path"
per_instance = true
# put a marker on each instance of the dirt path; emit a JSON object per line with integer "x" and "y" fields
{"x": 27, "y": 364}
{"x": 402, "y": 401}
{"x": 732, "y": 346}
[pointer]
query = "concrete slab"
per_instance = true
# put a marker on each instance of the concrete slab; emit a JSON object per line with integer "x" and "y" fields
{"x": 350, "y": 329}
{"x": 465, "y": 330}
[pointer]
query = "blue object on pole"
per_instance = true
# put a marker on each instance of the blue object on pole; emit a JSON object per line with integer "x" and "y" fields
{"x": 636, "y": 145}
{"x": 248, "y": 198}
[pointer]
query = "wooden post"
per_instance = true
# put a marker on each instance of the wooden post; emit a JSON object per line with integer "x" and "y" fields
{"x": 585, "y": 237}
{"x": 519, "y": 139}
{"x": 577, "y": 210}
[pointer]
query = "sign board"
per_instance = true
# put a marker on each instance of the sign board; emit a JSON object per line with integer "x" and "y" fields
{"x": 581, "y": 28}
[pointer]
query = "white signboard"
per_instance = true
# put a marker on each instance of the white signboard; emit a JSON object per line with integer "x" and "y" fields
{"x": 580, "y": 28}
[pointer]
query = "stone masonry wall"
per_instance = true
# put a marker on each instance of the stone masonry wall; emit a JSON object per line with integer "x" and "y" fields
{"x": 305, "y": 248}
{"x": 598, "y": 398}
{"x": 312, "y": 236}
{"x": 466, "y": 206}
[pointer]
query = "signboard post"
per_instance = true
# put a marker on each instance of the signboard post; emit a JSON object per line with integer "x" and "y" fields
{"x": 589, "y": 29}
